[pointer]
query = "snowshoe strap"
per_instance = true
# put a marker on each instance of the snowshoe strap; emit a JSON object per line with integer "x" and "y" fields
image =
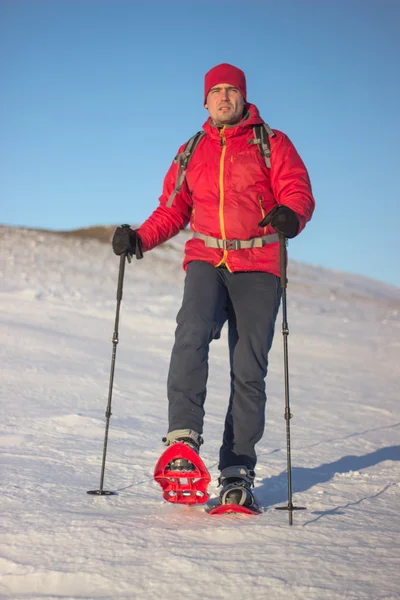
{"x": 241, "y": 487}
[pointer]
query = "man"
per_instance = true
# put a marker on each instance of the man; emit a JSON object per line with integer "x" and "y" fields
{"x": 234, "y": 203}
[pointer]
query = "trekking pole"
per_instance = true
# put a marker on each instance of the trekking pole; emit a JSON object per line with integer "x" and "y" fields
{"x": 288, "y": 415}
{"x": 101, "y": 491}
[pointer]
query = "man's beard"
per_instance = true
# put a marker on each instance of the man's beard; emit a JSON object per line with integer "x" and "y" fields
{"x": 234, "y": 120}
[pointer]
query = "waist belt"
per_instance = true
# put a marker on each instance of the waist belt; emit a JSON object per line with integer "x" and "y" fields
{"x": 258, "y": 242}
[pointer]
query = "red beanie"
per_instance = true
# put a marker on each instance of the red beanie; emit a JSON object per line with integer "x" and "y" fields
{"x": 225, "y": 73}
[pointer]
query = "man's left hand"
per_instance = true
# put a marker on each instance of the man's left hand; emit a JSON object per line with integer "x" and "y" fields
{"x": 283, "y": 219}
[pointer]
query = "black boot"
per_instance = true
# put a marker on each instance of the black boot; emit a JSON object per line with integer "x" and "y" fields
{"x": 236, "y": 486}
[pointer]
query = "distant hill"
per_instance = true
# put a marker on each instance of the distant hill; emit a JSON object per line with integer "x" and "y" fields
{"x": 101, "y": 233}
{"x": 344, "y": 292}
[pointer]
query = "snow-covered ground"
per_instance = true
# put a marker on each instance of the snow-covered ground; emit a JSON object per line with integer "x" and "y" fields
{"x": 57, "y": 310}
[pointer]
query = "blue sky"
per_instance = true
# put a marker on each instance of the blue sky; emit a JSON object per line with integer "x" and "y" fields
{"x": 97, "y": 95}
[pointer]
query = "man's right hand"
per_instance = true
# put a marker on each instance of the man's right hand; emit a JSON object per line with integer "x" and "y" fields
{"x": 126, "y": 240}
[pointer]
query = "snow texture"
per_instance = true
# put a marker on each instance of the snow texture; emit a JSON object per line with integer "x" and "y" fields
{"x": 57, "y": 303}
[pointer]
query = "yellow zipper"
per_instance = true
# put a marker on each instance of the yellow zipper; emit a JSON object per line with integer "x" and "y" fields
{"x": 193, "y": 218}
{"x": 221, "y": 194}
{"x": 262, "y": 210}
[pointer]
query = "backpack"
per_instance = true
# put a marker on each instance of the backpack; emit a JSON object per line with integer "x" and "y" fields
{"x": 262, "y": 133}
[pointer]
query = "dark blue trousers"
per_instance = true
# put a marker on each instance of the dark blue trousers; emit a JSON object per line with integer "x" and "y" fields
{"x": 249, "y": 301}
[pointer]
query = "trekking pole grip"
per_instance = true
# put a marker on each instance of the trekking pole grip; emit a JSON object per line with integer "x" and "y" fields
{"x": 127, "y": 256}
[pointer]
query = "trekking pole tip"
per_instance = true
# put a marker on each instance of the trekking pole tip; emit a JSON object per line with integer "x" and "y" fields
{"x": 101, "y": 493}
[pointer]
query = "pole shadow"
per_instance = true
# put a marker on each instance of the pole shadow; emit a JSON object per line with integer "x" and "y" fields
{"x": 273, "y": 490}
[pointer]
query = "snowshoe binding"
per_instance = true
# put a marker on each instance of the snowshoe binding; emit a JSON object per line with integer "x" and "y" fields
{"x": 190, "y": 438}
{"x": 236, "y": 495}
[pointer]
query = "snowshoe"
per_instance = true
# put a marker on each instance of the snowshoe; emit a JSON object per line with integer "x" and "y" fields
{"x": 182, "y": 487}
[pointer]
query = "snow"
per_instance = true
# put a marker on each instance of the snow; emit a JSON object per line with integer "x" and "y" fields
{"x": 57, "y": 311}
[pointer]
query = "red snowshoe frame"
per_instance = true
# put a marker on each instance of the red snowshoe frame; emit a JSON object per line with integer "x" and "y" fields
{"x": 234, "y": 509}
{"x": 182, "y": 487}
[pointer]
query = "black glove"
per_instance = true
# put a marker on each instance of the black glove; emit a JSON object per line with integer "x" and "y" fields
{"x": 283, "y": 219}
{"x": 126, "y": 240}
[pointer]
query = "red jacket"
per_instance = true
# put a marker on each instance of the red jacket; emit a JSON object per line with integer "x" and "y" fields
{"x": 227, "y": 191}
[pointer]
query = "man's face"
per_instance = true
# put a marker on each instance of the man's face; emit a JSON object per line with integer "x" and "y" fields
{"x": 225, "y": 104}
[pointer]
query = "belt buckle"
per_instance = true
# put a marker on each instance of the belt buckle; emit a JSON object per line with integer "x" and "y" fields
{"x": 231, "y": 244}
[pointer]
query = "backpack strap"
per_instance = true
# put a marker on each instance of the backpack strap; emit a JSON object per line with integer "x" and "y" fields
{"x": 183, "y": 159}
{"x": 262, "y": 133}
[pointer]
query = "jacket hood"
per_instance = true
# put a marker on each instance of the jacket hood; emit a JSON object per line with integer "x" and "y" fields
{"x": 250, "y": 118}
